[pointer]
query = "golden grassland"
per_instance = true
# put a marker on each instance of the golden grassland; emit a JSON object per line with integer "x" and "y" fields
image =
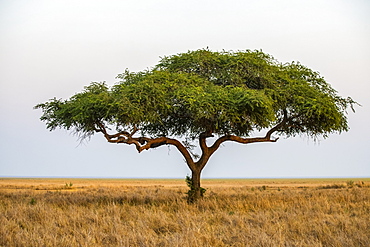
{"x": 147, "y": 212}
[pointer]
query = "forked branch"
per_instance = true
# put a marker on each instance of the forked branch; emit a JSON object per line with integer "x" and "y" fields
{"x": 144, "y": 143}
{"x": 266, "y": 138}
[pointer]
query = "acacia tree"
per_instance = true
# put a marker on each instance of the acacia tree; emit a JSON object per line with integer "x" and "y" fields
{"x": 190, "y": 97}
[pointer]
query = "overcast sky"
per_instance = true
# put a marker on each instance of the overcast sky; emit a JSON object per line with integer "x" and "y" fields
{"x": 53, "y": 48}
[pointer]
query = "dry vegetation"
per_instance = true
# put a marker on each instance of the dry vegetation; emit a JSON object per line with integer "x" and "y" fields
{"x": 37, "y": 212}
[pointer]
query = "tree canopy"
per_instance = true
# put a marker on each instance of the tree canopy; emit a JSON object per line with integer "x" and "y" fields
{"x": 202, "y": 94}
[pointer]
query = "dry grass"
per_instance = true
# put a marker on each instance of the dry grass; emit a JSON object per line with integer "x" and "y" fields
{"x": 41, "y": 212}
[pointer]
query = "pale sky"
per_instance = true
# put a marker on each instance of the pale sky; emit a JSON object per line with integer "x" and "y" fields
{"x": 53, "y": 48}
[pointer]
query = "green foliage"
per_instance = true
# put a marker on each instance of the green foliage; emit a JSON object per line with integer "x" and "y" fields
{"x": 81, "y": 112}
{"x": 219, "y": 92}
{"x": 32, "y": 201}
{"x": 68, "y": 185}
{"x": 350, "y": 183}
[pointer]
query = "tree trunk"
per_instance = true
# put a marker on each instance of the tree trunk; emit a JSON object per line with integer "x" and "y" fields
{"x": 195, "y": 178}
{"x": 196, "y": 192}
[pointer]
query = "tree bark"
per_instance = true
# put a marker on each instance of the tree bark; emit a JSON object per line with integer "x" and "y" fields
{"x": 195, "y": 192}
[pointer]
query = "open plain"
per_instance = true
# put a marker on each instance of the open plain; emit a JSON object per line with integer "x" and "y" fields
{"x": 152, "y": 212}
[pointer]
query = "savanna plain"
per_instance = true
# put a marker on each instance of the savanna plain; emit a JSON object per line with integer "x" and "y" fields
{"x": 235, "y": 212}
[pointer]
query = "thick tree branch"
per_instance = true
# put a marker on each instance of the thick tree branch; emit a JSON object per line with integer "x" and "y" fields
{"x": 205, "y": 149}
{"x": 145, "y": 143}
{"x": 266, "y": 138}
{"x": 160, "y": 141}
{"x": 120, "y": 137}
{"x": 202, "y": 140}
{"x": 278, "y": 126}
